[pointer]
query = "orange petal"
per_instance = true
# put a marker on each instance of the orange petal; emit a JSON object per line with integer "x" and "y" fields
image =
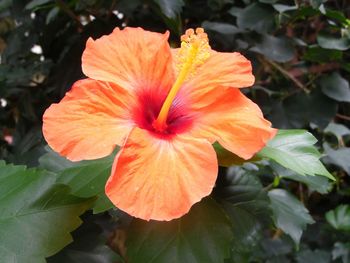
{"x": 227, "y": 116}
{"x": 131, "y": 58}
{"x": 90, "y": 120}
{"x": 161, "y": 179}
{"x": 220, "y": 69}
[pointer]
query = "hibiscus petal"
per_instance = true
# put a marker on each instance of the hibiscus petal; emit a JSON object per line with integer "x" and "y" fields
{"x": 227, "y": 116}
{"x": 90, "y": 120}
{"x": 131, "y": 58}
{"x": 160, "y": 179}
{"x": 224, "y": 69}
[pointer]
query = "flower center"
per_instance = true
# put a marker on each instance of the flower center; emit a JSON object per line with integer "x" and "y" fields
{"x": 147, "y": 109}
{"x": 194, "y": 51}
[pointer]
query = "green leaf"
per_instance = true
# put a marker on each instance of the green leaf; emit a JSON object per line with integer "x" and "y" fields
{"x": 275, "y": 248}
{"x": 339, "y": 157}
{"x": 227, "y": 158}
{"x": 284, "y": 8}
{"x": 37, "y": 215}
{"x": 268, "y": 1}
{"x": 319, "y": 184}
{"x": 88, "y": 179}
{"x": 341, "y": 250}
{"x": 170, "y": 8}
{"x": 89, "y": 245}
{"x": 338, "y": 15}
{"x": 329, "y": 42}
{"x": 35, "y": 3}
{"x": 294, "y": 150}
{"x": 54, "y": 162}
{"x": 243, "y": 198}
{"x": 278, "y": 49}
{"x": 217, "y": 5}
{"x": 318, "y": 54}
{"x": 85, "y": 178}
{"x": 316, "y": 3}
{"x": 300, "y": 110}
{"x": 335, "y": 87}
{"x": 203, "y": 235}
{"x": 316, "y": 256}
{"x": 98, "y": 254}
{"x": 222, "y": 28}
{"x": 52, "y": 14}
{"x": 313, "y": 108}
{"x": 235, "y": 11}
{"x": 257, "y": 17}
{"x": 4, "y": 4}
{"x": 339, "y": 218}
{"x": 290, "y": 215}
{"x": 339, "y": 130}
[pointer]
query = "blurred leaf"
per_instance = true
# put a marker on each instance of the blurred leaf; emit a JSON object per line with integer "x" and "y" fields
{"x": 316, "y": 256}
{"x": 35, "y": 3}
{"x": 294, "y": 150}
{"x": 339, "y": 130}
{"x": 235, "y": 11}
{"x": 319, "y": 184}
{"x": 278, "y": 259}
{"x": 203, "y": 235}
{"x": 218, "y": 4}
{"x": 318, "y": 54}
{"x": 88, "y": 179}
{"x": 221, "y": 35}
{"x": 52, "y": 14}
{"x": 276, "y": 248}
{"x": 4, "y": 4}
{"x": 89, "y": 246}
{"x": 339, "y": 157}
{"x": 257, "y": 17}
{"x": 222, "y": 28}
{"x": 341, "y": 250}
{"x": 28, "y": 147}
{"x": 127, "y": 7}
{"x": 170, "y": 8}
{"x": 245, "y": 201}
{"x": 290, "y": 215}
{"x": 335, "y": 87}
{"x": 304, "y": 109}
{"x": 99, "y": 254}
{"x": 278, "y": 49}
{"x": 268, "y": 1}
{"x": 316, "y": 3}
{"x": 329, "y": 42}
{"x": 36, "y": 214}
{"x": 284, "y": 8}
{"x": 337, "y": 15}
{"x": 339, "y": 218}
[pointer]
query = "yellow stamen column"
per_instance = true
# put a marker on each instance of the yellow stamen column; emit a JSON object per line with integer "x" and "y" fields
{"x": 194, "y": 51}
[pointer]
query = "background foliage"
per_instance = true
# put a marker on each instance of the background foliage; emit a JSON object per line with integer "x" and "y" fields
{"x": 274, "y": 208}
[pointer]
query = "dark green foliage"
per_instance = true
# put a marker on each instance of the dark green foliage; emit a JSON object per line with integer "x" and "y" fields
{"x": 289, "y": 214}
{"x": 280, "y": 206}
{"x": 37, "y": 214}
{"x": 203, "y": 235}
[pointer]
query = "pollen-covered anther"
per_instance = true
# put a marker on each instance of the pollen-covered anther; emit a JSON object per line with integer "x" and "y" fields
{"x": 194, "y": 51}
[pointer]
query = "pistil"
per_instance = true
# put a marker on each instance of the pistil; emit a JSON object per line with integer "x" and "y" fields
{"x": 194, "y": 51}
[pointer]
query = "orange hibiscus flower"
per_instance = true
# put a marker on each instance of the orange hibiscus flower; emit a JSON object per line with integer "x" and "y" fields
{"x": 165, "y": 108}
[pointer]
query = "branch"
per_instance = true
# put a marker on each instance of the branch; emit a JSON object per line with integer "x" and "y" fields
{"x": 315, "y": 69}
{"x": 286, "y": 74}
{"x": 344, "y": 117}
